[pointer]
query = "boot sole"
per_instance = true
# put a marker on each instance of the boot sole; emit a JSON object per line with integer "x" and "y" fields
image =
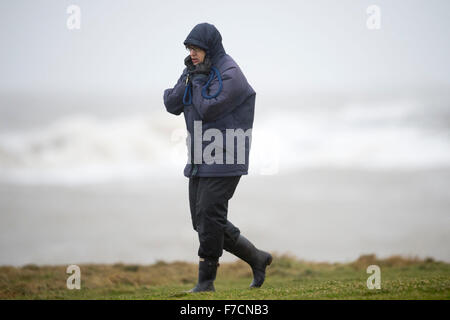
{"x": 194, "y": 290}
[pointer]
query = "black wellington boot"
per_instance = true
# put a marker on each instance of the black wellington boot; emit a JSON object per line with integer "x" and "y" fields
{"x": 257, "y": 259}
{"x": 207, "y": 269}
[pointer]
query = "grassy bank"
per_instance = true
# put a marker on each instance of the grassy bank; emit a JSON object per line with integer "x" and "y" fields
{"x": 287, "y": 278}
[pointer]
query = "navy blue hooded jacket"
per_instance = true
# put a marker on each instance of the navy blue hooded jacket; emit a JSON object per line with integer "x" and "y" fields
{"x": 232, "y": 109}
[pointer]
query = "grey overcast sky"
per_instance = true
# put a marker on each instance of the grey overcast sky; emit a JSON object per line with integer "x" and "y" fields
{"x": 282, "y": 46}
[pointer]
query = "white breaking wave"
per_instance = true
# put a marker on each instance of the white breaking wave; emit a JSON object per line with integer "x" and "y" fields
{"x": 380, "y": 136}
{"x": 81, "y": 149}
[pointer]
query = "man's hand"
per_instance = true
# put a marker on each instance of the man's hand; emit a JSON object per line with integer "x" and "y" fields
{"x": 188, "y": 63}
{"x": 203, "y": 67}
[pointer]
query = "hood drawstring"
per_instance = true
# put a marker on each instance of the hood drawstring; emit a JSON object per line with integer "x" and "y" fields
{"x": 187, "y": 97}
{"x": 187, "y": 92}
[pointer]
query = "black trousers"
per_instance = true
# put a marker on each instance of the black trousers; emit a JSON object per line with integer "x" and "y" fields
{"x": 208, "y": 200}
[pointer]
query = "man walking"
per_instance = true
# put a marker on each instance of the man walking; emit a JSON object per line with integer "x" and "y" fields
{"x": 215, "y": 97}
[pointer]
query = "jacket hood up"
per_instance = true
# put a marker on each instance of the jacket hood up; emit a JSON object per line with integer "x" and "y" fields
{"x": 207, "y": 37}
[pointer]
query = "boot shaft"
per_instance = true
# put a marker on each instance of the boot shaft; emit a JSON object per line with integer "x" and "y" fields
{"x": 207, "y": 269}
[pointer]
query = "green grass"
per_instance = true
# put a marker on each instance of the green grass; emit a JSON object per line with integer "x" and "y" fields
{"x": 287, "y": 278}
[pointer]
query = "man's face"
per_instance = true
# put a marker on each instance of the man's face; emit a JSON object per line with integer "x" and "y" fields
{"x": 197, "y": 54}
